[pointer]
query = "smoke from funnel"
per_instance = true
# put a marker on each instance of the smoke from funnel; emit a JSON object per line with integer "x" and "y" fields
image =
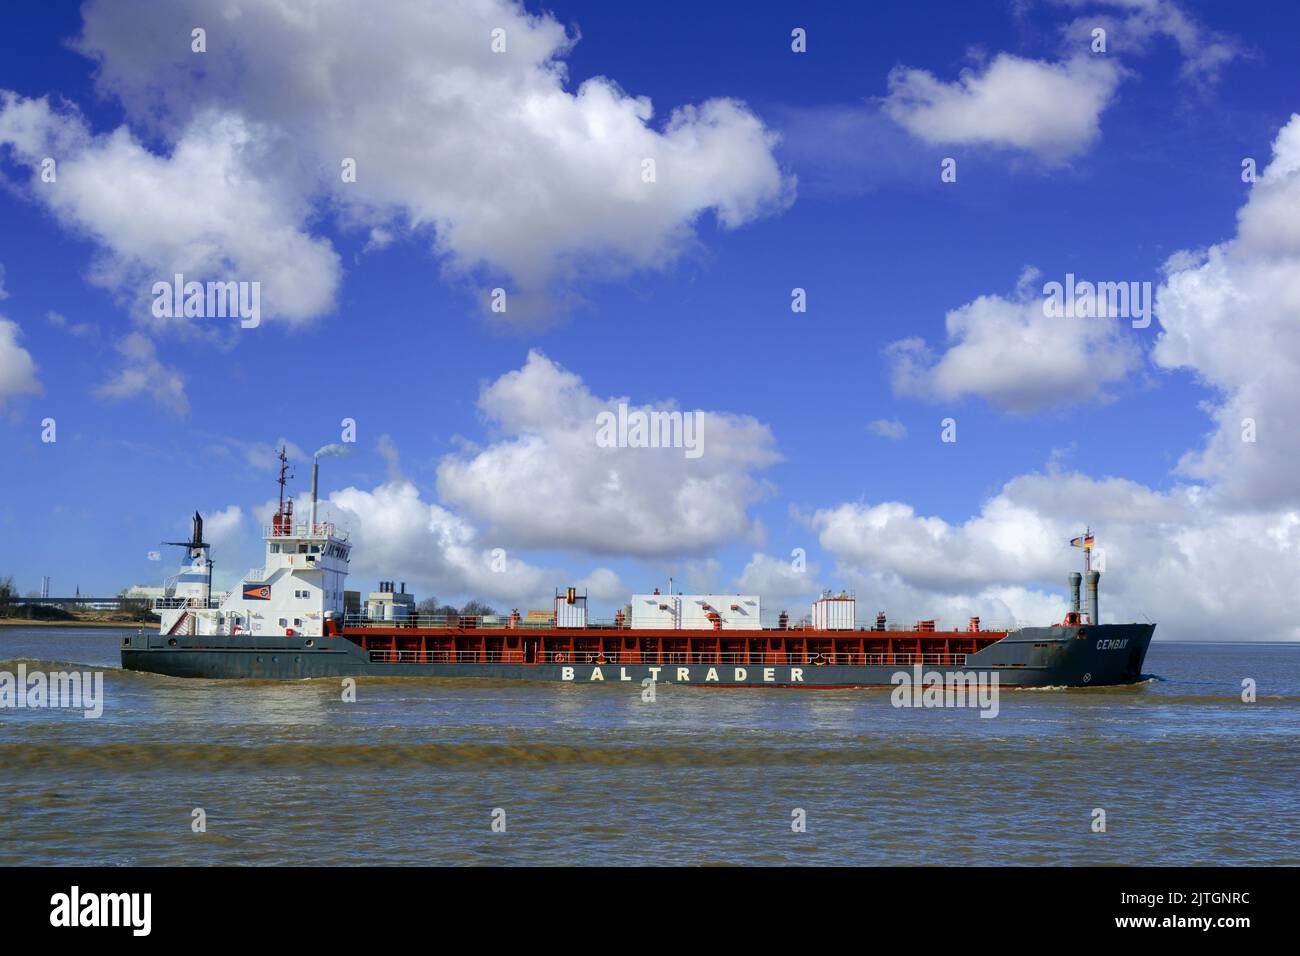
{"x": 329, "y": 450}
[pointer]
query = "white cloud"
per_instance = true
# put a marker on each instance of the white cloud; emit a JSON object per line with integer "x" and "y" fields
{"x": 17, "y": 370}
{"x": 1008, "y": 351}
{"x": 142, "y": 373}
{"x": 81, "y": 330}
{"x": 1053, "y": 108}
{"x": 604, "y": 586}
{"x": 1138, "y": 22}
{"x": 776, "y": 580}
{"x": 1232, "y": 315}
{"x": 547, "y": 483}
{"x": 1210, "y": 560}
{"x": 400, "y": 537}
{"x": 488, "y": 157}
{"x": 224, "y": 529}
{"x": 1050, "y": 109}
{"x": 213, "y": 210}
{"x": 890, "y": 428}
{"x": 1198, "y": 573}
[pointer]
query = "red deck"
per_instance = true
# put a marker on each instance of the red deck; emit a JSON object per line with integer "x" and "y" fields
{"x": 552, "y": 645}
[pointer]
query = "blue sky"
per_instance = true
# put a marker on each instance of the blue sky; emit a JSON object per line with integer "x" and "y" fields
{"x": 859, "y": 218}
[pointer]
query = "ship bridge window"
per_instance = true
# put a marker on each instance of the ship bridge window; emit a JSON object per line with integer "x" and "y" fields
{"x": 315, "y": 549}
{"x": 302, "y": 549}
{"x": 275, "y": 549}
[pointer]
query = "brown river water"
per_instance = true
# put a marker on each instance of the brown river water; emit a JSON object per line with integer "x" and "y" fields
{"x": 416, "y": 771}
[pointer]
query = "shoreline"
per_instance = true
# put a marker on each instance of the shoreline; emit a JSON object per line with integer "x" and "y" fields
{"x": 120, "y": 625}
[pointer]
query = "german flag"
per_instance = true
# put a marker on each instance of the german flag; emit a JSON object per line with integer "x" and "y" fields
{"x": 1083, "y": 541}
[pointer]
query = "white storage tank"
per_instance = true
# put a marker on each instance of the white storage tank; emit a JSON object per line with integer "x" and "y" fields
{"x": 696, "y": 612}
{"x": 832, "y": 612}
{"x": 732, "y": 612}
{"x": 657, "y": 611}
{"x": 570, "y": 609}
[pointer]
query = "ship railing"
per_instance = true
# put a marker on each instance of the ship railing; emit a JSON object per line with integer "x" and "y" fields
{"x": 304, "y": 529}
{"x": 502, "y": 622}
{"x": 737, "y": 659}
{"x": 184, "y": 603}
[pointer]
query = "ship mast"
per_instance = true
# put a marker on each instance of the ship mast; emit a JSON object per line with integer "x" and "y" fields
{"x": 285, "y": 512}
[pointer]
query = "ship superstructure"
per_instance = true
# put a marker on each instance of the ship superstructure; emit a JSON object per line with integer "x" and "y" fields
{"x": 296, "y": 591}
{"x": 291, "y": 619}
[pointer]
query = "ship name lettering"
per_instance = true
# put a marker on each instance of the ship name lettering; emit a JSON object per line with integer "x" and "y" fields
{"x": 769, "y": 674}
{"x": 566, "y": 673}
{"x": 622, "y": 674}
{"x": 596, "y": 674}
{"x": 741, "y": 674}
{"x": 683, "y": 673}
{"x": 796, "y": 674}
{"x": 1112, "y": 645}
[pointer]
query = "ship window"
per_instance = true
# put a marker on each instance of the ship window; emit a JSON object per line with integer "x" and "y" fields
{"x": 297, "y": 622}
{"x": 275, "y": 549}
{"x": 283, "y": 622}
{"x": 302, "y": 549}
{"x": 315, "y": 549}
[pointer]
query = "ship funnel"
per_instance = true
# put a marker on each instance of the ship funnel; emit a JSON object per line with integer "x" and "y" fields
{"x": 1093, "y": 578}
{"x": 1075, "y": 580}
{"x": 315, "y": 471}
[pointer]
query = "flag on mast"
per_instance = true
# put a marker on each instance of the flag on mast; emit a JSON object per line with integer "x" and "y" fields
{"x": 1084, "y": 541}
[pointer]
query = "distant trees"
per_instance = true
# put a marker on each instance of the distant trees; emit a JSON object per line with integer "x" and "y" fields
{"x": 138, "y": 606}
{"x": 7, "y": 594}
{"x": 430, "y": 607}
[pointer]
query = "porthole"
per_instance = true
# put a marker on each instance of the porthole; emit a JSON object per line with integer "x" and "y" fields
{"x": 311, "y": 643}
{"x": 171, "y": 642}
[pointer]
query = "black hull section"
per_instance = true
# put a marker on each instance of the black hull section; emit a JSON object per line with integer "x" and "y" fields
{"x": 1031, "y": 657}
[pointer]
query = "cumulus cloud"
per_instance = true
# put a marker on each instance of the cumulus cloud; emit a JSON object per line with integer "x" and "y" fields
{"x": 1008, "y": 351}
{"x": 1199, "y": 573}
{"x": 777, "y": 579}
{"x": 143, "y": 373}
{"x": 1051, "y": 109}
{"x": 604, "y": 586}
{"x": 489, "y": 158}
{"x": 17, "y": 369}
{"x": 1212, "y": 557}
{"x": 224, "y": 528}
{"x": 548, "y": 483}
{"x": 209, "y": 210}
{"x": 398, "y": 535}
{"x": 1231, "y": 314}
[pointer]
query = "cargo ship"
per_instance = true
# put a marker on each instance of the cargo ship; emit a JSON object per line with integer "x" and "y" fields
{"x": 293, "y": 619}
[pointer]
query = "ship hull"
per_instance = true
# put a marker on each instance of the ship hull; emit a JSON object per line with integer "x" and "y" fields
{"x": 1030, "y": 657}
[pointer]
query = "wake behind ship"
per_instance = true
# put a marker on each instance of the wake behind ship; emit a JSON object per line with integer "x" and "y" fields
{"x": 291, "y": 619}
